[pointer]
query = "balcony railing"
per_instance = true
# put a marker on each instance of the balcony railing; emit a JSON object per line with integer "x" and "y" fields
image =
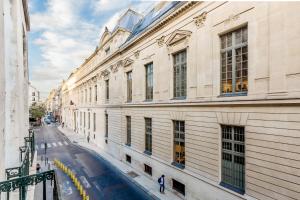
{"x": 22, "y": 182}
{"x": 19, "y": 178}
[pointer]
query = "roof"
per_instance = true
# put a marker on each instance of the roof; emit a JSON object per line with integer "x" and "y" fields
{"x": 128, "y": 20}
{"x": 159, "y": 11}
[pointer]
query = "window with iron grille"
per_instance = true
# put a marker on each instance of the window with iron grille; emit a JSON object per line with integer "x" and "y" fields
{"x": 148, "y": 169}
{"x": 234, "y": 62}
{"x": 149, "y": 81}
{"x": 96, "y": 94}
{"x": 107, "y": 90}
{"x": 129, "y": 86}
{"x": 233, "y": 158}
{"x": 90, "y": 94}
{"x": 85, "y": 95}
{"x": 148, "y": 135}
{"x": 179, "y": 143}
{"x": 128, "y": 130}
{"x": 106, "y": 125}
{"x": 179, "y": 60}
{"x": 80, "y": 118}
{"x": 94, "y": 122}
{"x": 89, "y": 122}
{"x": 179, "y": 187}
{"x": 84, "y": 119}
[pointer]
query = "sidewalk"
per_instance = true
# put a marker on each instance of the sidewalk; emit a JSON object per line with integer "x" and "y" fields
{"x": 149, "y": 185}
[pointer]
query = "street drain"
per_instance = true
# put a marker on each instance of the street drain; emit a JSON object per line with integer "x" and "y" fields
{"x": 132, "y": 174}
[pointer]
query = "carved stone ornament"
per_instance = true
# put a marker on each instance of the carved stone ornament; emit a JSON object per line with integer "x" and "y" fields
{"x": 161, "y": 40}
{"x": 114, "y": 68}
{"x": 127, "y": 62}
{"x": 137, "y": 54}
{"x": 200, "y": 19}
{"x": 231, "y": 18}
{"x": 177, "y": 36}
{"x": 105, "y": 73}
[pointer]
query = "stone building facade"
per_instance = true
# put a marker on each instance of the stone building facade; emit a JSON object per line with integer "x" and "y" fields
{"x": 14, "y": 113}
{"x": 33, "y": 95}
{"x": 206, "y": 93}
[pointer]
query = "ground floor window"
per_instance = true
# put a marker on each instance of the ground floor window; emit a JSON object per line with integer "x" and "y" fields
{"x": 179, "y": 187}
{"x": 128, "y": 158}
{"x": 233, "y": 158}
{"x": 148, "y": 169}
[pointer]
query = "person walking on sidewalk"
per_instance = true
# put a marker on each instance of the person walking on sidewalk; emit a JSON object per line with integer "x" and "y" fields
{"x": 161, "y": 181}
{"x": 88, "y": 138}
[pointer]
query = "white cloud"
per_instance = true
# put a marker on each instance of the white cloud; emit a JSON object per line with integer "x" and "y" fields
{"x": 65, "y": 40}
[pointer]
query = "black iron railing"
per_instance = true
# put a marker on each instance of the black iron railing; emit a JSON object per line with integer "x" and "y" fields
{"x": 24, "y": 181}
{"x": 19, "y": 178}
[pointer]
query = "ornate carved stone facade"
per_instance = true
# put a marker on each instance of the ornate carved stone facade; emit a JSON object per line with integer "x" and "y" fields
{"x": 189, "y": 52}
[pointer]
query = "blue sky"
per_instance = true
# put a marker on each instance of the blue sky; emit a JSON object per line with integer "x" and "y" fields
{"x": 65, "y": 32}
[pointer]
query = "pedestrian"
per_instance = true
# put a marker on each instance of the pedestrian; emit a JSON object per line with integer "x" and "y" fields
{"x": 46, "y": 147}
{"x": 88, "y": 138}
{"x": 38, "y": 167}
{"x": 161, "y": 181}
{"x": 63, "y": 124}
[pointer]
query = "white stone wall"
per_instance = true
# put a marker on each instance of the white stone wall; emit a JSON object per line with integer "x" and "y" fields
{"x": 14, "y": 83}
{"x": 269, "y": 112}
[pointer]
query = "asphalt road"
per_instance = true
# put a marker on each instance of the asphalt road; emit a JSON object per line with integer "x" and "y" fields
{"x": 101, "y": 180}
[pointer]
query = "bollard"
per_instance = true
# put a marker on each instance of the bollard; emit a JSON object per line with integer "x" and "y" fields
{"x": 83, "y": 194}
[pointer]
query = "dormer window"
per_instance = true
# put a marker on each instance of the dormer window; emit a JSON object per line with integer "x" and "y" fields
{"x": 107, "y": 50}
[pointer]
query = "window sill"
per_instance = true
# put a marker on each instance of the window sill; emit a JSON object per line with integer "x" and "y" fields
{"x": 234, "y": 94}
{"x": 148, "y": 100}
{"x": 179, "y": 98}
{"x": 180, "y": 166}
{"x": 148, "y": 153}
{"x": 232, "y": 188}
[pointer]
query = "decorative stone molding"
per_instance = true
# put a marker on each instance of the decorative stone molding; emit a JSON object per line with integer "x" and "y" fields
{"x": 105, "y": 73}
{"x": 114, "y": 68}
{"x": 232, "y": 118}
{"x": 137, "y": 54}
{"x": 127, "y": 62}
{"x": 161, "y": 40}
{"x": 200, "y": 19}
{"x": 177, "y": 115}
{"x": 231, "y": 18}
{"x": 177, "y": 36}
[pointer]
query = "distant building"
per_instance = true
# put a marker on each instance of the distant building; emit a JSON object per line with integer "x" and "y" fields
{"x": 206, "y": 93}
{"x": 54, "y": 103}
{"x": 33, "y": 95}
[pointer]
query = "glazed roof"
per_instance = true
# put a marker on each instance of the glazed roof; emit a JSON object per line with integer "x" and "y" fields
{"x": 128, "y": 20}
{"x": 159, "y": 11}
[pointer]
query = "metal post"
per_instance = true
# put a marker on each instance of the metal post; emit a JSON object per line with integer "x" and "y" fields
{"x": 44, "y": 190}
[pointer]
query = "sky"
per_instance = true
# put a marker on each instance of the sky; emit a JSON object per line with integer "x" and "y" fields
{"x": 65, "y": 32}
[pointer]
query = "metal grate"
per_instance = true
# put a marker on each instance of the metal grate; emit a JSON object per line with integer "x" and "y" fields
{"x": 233, "y": 157}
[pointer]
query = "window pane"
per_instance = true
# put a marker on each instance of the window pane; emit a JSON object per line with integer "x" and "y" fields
{"x": 238, "y": 46}
{"x": 233, "y": 156}
{"x": 179, "y": 74}
{"x": 179, "y": 142}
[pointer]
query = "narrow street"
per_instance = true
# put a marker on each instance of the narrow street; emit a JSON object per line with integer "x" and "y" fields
{"x": 101, "y": 180}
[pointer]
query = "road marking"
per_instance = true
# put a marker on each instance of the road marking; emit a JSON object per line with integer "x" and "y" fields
{"x": 85, "y": 182}
{"x": 54, "y": 144}
{"x": 66, "y": 143}
{"x": 48, "y": 145}
{"x": 60, "y": 143}
{"x": 42, "y": 146}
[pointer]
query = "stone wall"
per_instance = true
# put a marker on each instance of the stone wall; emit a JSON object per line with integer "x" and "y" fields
{"x": 269, "y": 112}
